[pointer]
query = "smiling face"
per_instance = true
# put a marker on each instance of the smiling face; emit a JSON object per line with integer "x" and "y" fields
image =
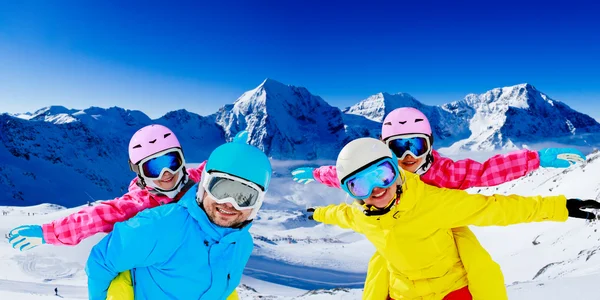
{"x": 410, "y": 163}
{"x": 167, "y": 181}
{"x": 224, "y": 215}
{"x": 381, "y": 197}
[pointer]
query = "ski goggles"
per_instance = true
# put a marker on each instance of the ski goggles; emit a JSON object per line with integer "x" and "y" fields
{"x": 154, "y": 166}
{"x": 381, "y": 173}
{"x": 416, "y": 145}
{"x": 225, "y": 188}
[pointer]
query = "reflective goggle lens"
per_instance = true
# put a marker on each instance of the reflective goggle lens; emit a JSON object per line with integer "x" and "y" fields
{"x": 416, "y": 145}
{"x": 382, "y": 175}
{"x": 222, "y": 188}
{"x": 153, "y": 167}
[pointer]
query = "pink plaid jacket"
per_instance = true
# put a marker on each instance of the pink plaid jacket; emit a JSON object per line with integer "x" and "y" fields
{"x": 462, "y": 174}
{"x": 102, "y": 217}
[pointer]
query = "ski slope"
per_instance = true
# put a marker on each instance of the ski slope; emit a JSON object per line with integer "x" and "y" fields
{"x": 299, "y": 259}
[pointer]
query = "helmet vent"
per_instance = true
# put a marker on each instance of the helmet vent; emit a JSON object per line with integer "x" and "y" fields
{"x": 418, "y": 120}
{"x": 387, "y": 123}
{"x": 137, "y": 146}
{"x": 152, "y": 141}
{"x": 166, "y": 135}
{"x": 402, "y": 122}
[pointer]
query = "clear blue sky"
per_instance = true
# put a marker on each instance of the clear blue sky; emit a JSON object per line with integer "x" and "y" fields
{"x": 200, "y": 55}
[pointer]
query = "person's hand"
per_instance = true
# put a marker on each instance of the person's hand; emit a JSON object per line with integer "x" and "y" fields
{"x": 560, "y": 157}
{"x": 303, "y": 175}
{"x": 26, "y": 237}
{"x": 576, "y": 206}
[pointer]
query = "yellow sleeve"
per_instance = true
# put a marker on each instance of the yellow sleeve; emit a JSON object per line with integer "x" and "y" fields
{"x": 341, "y": 215}
{"x": 233, "y": 296}
{"x": 448, "y": 208}
{"x": 121, "y": 287}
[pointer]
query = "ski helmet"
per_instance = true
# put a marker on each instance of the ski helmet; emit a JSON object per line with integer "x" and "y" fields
{"x": 360, "y": 154}
{"x": 243, "y": 161}
{"x": 405, "y": 120}
{"x": 148, "y": 141}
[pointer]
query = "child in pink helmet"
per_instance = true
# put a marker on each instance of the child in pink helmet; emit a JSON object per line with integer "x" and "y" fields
{"x": 155, "y": 155}
{"x": 408, "y": 134}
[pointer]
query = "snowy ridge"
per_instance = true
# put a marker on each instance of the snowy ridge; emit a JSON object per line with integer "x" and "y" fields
{"x": 509, "y": 117}
{"x": 285, "y": 121}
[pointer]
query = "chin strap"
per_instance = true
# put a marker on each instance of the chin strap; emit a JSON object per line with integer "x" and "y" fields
{"x": 172, "y": 193}
{"x": 370, "y": 210}
{"x": 425, "y": 165}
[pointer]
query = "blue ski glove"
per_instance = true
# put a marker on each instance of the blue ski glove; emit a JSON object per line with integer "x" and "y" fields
{"x": 26, "y": 237}
{"x": 560, "y": 157}
{"x": 303, "y": 175}
{"x": 241, "y": 137}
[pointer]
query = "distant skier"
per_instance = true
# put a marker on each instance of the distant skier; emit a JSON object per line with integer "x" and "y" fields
{"x": 56, "y": 291}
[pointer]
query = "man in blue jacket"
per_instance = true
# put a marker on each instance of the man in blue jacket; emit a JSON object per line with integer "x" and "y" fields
{"x": 196, "y": 248}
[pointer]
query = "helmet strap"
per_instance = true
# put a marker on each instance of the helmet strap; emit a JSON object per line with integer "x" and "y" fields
{"x": 172, "y": 192}
{"x": 383, "y": 211}
{"x": 425, "y": 165}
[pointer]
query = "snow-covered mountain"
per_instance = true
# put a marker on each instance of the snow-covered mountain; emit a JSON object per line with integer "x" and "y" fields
{"x": 69, "y": 156}
{"x": 285, "y": 121}
{"x": 511, "y": 117}
{"x": 447, "y": 127}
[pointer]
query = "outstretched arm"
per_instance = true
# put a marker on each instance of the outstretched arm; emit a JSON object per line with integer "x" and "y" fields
{"x": 326, "y": 175}
{"x": 467, "y": 173}
{"x": 74, "y": 228}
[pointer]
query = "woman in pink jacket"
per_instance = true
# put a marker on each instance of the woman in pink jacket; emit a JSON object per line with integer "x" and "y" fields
{"x": 408, "y": 134}
{"x": 155, "y": 155}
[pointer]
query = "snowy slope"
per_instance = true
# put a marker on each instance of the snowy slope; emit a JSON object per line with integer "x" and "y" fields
{"x": 293, "y": 255}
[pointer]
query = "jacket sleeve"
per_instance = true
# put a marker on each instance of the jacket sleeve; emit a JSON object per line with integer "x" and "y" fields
{"x": 467, "y": 173}
{"x": 341, "y": 215}
{"x": 327, "y": 175}
{"x": 196, "y": 173}
{"x": 446, "y": 208}
{"x": 131, "y": 244}
{"x": 101, "y": 217}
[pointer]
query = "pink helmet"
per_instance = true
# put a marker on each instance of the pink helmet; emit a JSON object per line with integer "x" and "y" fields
{"x": 405, "y": 120}
{"x": 150, "y": 140}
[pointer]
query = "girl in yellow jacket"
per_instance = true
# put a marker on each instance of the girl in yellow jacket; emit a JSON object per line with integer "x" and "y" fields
{"x": 410, "y": 223}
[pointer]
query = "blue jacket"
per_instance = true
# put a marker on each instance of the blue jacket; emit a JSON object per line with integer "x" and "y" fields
{"x": 174, "y": 252}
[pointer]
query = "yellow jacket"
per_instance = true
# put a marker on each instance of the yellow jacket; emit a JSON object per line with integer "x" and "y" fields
{"x": 415, "y": 238}
{"x": 485, "y": 278}
{"x": 121, "y": 288}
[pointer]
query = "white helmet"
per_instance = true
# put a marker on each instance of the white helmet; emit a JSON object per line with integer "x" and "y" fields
{"x": 360, "y": 153}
